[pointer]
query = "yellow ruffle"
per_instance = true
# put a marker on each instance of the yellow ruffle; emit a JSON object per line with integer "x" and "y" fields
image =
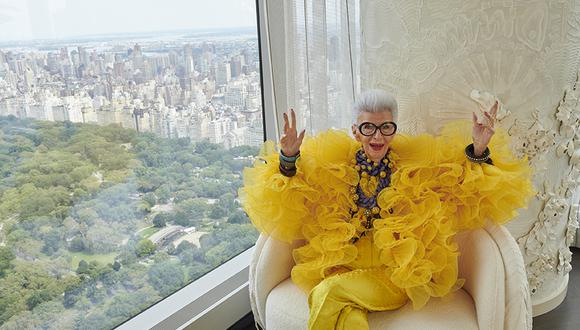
{"x": 435, "y": 192}
{"x": 276, "y": 204}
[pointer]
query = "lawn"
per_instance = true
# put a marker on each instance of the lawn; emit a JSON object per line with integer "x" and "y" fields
{"x": 100, "y": 258}
{"x": 147, "y": 232}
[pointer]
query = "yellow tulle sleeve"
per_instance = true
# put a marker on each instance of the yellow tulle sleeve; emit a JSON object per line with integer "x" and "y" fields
{"x": 291, "y": 208}
{"x": 277, "y": 205}
{"x": 483, "y": 191}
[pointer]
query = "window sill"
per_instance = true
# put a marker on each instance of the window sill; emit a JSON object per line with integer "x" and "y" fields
{"x": 217, "y": 300}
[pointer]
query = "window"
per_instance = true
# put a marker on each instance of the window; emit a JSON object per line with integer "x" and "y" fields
{"x": 316, "y": 60}
{"x": 124, "y": 128}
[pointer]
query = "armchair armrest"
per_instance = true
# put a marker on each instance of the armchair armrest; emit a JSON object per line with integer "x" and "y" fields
{"x": 485, "y": 254}
{"x": 271, "y": 264}
{"x": 518, "y": 302}
{"x": 482, "y": 267}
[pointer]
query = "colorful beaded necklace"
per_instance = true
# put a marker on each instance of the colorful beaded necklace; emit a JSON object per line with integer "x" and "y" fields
{"x": 374, "y": 177}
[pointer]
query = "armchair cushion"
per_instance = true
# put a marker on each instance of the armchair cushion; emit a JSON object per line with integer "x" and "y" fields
{"x": 456, "y": 311}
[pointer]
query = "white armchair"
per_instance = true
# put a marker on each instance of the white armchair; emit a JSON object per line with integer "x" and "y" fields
{"x": 495, "y": 294}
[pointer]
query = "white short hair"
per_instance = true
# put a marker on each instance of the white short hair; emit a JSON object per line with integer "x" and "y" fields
{"x": 376, "y": 100}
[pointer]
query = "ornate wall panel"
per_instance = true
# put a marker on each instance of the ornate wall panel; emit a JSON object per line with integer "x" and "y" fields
{"x": 437, "y": 55}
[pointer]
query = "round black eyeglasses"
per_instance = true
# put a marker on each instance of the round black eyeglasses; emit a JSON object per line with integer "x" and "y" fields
{"x": 369, "y": 129}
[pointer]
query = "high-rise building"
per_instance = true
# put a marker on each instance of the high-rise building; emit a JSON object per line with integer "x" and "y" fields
{"x": 235, "y": 95}
{"x": 138, "y": 59}
{"x": 119, "y": 69}
{"x": 173, "y": 58}
{"x": 29, "y": 79}
{"x": 236, "y": 64}
{"x": 83, "y": 56}
{"x": 64, "y": 55}
{"x": 223, "y": 74}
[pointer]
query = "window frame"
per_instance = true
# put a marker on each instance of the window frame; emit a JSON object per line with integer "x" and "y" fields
{"x": 216, "y": 300}
{"x": 221, "y": 297}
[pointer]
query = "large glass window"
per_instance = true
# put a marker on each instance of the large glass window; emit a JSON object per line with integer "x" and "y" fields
{"x": 124, "y": 129}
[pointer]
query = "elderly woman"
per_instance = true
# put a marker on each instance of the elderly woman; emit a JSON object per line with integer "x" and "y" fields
{"x": 378, "y": 213}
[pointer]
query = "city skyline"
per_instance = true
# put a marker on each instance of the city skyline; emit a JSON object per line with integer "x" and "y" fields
{"x": 62, "y": 19}
{"x": 183, "y": 86}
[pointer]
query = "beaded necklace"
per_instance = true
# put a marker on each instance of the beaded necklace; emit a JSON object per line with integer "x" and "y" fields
{"x": 374, "y": 177}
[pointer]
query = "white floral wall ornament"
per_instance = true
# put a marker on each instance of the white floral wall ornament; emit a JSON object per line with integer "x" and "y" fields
{"x": 532, "y": 139}
{"x": 541, "y": 265}
{"x": 573, "y": 225}
{"x": 545, "y": 230}
{"x": 558, "y": 207}
{"x": 568, "y": 114}
{"x": 485, "y": 102}
{"x": 564, "y": 261}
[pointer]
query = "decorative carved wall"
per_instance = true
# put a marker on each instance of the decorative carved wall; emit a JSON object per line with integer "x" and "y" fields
{"x": 436, "y": 55}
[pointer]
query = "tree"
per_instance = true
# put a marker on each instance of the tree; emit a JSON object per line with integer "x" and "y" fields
{"x": 163, "y": 193}
{"x": 183, "y": 195}
{"x": 166, "y": 277}
{"x": 191, "y": 255}
{"x": 197, "y": 270}
{"x": 205, "y": 145}
{"x": 217, "y": 211}
{"x": 72, "y": 294}
{"x": 52, "y": 241}
{"x": 37, "y": 298}
{"x": 6, "y": 256}
{"x": 94, "y": 320}
{"x": 219, "y": 253}
{"x": 228, "y": 202}
{"x": 199, "y": 161}
{"x": 194, "y": 208}
{"x": 126, "y": 305}
{"x": 128, "y": 254}
{"x": 160, "y": 220}
{"x": 184, "y": 245}
{"x": 144, "y": 248}
{"x": 238, "y": 217}
{"x": 83, "y": 267}
{"x": 77, "y": 244}
{"x": 150, "y": 198}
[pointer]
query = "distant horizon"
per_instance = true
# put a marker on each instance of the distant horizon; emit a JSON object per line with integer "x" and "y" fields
{"x": 82, "y": 39}
{"x": 48, "y": 20}
{"x": 119, "y": 35}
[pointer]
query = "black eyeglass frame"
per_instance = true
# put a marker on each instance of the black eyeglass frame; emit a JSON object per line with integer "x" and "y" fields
{"x": 377, "y": 128}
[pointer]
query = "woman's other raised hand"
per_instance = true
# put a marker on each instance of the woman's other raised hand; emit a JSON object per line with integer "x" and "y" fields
{"x": 482, "y": 133}
{"x": 291, "y": 141}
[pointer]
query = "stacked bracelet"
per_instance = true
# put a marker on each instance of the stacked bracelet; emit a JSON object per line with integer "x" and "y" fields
{"x": 470, "y": 153}
{"x": 288, "y": 164}
{"x": 289, "y": 159}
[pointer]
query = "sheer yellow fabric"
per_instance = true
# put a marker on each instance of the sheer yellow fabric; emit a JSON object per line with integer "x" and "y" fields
{"x": 435, "y": 192}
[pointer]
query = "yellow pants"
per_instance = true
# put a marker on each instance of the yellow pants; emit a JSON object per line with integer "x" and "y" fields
{"x": 342, "y": 301}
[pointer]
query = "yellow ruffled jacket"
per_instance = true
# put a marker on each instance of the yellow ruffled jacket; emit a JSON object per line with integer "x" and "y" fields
{"x": 435, "y": 192}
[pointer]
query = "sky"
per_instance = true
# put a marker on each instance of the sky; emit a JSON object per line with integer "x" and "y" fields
{"x": 50, "y": 19}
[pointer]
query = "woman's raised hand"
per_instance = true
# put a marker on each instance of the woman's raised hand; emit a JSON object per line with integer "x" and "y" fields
{"x": 290, "y": 141}
{"x": 482, "y": 133}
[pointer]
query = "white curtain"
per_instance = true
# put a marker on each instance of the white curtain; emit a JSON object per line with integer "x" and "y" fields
{"x": 315, "y": 54}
